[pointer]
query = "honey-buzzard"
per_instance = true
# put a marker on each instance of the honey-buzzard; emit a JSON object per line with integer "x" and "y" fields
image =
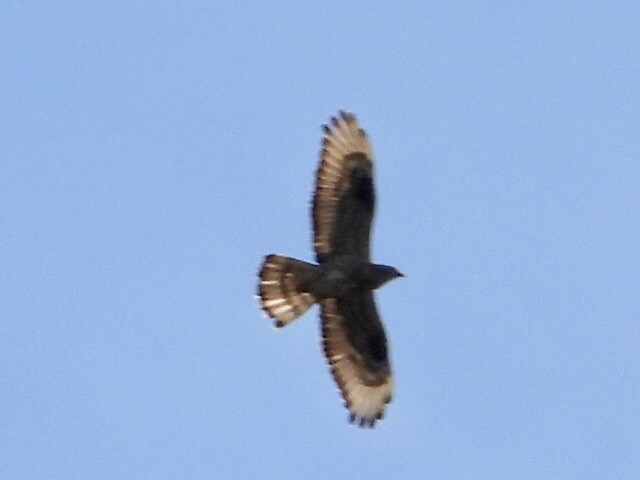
{"x": 343, "y": 281}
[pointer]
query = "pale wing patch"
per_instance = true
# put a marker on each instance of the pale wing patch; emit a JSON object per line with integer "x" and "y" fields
{"x": 365, "y": 393}
{"x": 342, "y": 138}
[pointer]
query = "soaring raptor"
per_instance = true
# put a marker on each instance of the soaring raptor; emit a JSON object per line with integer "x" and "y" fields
{"x": 342, "y": 283}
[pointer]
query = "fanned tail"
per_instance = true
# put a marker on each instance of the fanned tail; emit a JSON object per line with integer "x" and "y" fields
{"x": 281, "y": 288}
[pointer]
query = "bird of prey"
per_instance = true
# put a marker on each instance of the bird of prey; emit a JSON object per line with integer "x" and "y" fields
{"x": 343, "y": 281}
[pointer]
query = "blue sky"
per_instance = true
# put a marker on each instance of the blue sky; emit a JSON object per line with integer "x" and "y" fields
{"x": 152, "y": 154}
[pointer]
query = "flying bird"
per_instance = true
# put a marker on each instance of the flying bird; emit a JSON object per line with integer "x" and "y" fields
{"x": 343, "y": 281}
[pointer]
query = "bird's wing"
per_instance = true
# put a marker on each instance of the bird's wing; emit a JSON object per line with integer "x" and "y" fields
{"x": 344, "y": 197}
{"x": 356, "y": 349}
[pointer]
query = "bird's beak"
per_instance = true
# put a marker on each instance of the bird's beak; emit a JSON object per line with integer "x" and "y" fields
{"x": 400, "y": 274}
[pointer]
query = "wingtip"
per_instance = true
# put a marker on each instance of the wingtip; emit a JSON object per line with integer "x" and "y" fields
{"x": 362, "y": 422}
{"x": 347, "y": 116}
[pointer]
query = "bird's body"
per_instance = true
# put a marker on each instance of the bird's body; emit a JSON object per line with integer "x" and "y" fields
{"x": 346, "y": 274}
{"x": 344, "y": 279}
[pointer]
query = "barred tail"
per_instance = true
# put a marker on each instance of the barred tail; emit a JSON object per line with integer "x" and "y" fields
{"x": 281, "y": 288}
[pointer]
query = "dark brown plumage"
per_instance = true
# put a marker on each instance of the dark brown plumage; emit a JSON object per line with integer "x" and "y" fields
{"x": 342, "y": 283}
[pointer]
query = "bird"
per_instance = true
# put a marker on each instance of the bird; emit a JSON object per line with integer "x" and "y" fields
{"x": 343, "y": 280}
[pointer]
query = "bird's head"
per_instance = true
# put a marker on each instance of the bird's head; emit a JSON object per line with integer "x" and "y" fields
{"x": 384, "y": 274}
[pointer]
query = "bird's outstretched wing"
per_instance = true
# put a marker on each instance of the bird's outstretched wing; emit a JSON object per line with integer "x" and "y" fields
{"x": 344, "y": 197}
{"x": 355, "y": 345}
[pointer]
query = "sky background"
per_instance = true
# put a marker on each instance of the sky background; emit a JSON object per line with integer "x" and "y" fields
{"x": 152, "y": 154}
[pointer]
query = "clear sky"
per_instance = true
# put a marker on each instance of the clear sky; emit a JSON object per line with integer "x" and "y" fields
{"x": 150, "y": 155}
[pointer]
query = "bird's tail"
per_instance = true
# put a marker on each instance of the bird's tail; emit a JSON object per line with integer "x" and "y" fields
{"x": 281, "y": 288}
